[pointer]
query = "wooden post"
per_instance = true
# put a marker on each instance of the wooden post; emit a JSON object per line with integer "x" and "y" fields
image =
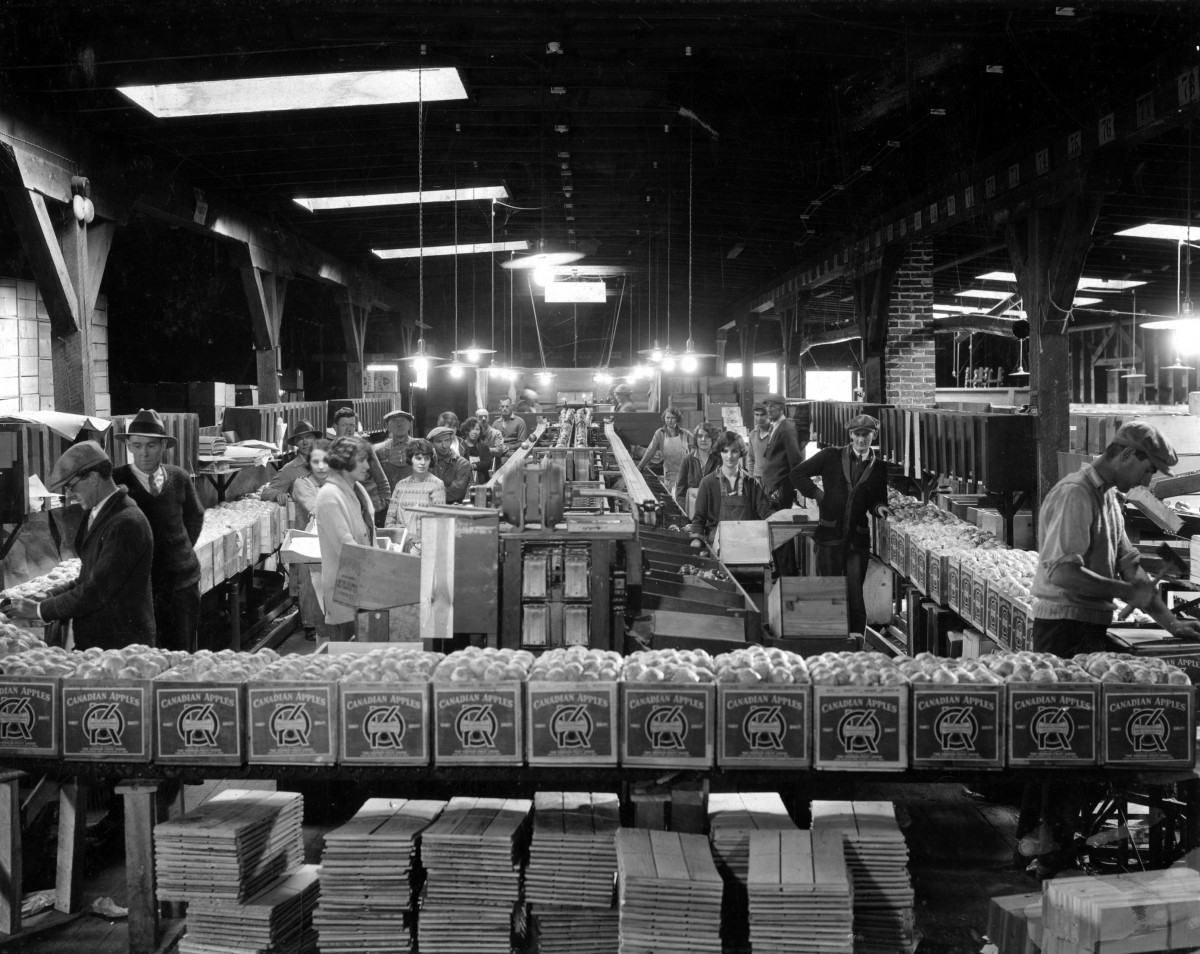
{"x": 142, "y": 892}
{"x": 11, "y": 886}
{"x": 747, "y": 327}
{"x": 72, "y": 828}
{"x": 437, "y": 577}
{"x": 265, "y": 294}
{"x": 872, "y": 289}
{"x": 354, "y": 327}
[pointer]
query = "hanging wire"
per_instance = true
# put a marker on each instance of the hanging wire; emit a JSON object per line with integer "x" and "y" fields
{"x": 536, "y": 327}
{"x": 1187, "y": 296}
{"x": 689, "y": 334}
{"x": 420, "y": 204}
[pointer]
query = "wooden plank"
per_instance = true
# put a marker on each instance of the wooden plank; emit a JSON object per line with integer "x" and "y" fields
{"x": 72, "y": 827}
{"x": 12, "y": 891}
{"x": 764, "y": 858}
{"x": 437, "y": 577}
{"x": 795, "y": 857}
{"x": 141, "y": 897}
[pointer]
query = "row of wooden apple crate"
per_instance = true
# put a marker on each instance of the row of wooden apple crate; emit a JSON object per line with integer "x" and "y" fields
{"x": 863, "y": 728}
{"x": 244, "y": 537}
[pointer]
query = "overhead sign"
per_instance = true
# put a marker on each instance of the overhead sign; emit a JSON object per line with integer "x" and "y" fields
{"x": 575, "y": 292}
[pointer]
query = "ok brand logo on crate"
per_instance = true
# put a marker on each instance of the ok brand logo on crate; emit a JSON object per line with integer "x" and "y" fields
{"x": 384, "y": 727}
{"x": 666, "y": 727}
{"x": 1053, "y": 729}
{"x": 957, "y": 729}
{"x": 16, "y": 720}
{"x": 859, "y": 731}
{"x": 103, "y": 724}
{"x": 199, "y": 725}
{"x": 476, "y": 726}
{"x": 291, "y": 724}
{"x": 1147, "y": 731}
{"x": 764, "y": 728}
{"x": 572, "y": 727}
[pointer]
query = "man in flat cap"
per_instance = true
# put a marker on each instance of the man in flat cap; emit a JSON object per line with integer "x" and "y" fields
{"x": 1085, "y": 562}
{"x": 301, "y": 437}
{"x": 450, "y": 467}
{"x": 853, "y": 486}
{"x": 393, "y": 453}
{"x": 166, "y": 495}
{"x": 781, "y": 457}
{"x": 110, "y": 605}
{"x": 491, "y": 435}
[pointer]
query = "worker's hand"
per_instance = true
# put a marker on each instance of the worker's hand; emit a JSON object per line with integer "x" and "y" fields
{"x": 884, "y": 512}
{"x": 21, "y": 608}
{"x": 1141, "y": 592}
{"x": 1187, "y": 629}
{"x": 697, "y": 544}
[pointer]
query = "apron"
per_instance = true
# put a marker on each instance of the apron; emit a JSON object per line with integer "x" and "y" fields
{"x": 674, "y": 450}
{"x": 735, "y": 506}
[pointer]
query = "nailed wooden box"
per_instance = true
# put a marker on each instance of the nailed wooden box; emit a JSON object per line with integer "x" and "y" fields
{"x": 204, "y": 558}
{"x": 764, "y": 726}
{"x": 979, "y": 585}
{"x": 966, "y": 590}
{"x": 898, "y": 547}
{"x": 233, "y": 554}
{"x": 938, "y": 575}
{"x": 958, "y": 726}
{"x": 106, "y": 720}
{"x": 667, "y": 725}
{"x": 571, "y": 723}
{"x": 292, "y": 723}
{"x": 882, "y": 543}
{"x": 1148, "y": 726}
{"x": 1004, "y": 613}
{"x": 918, "y": 565}
{"x": 991, "y": 612}
{"x": 1021, "y": 634}
{"x": 804, "y": 606}
{"x": 860, "y": 728}
{"x": 216, "y": 553}
{"x": 1053, "y": 724}
{"x": 383, "y": 723}
{"x": 200, "y": 723}
{"x": 30, "y": 715}
{"x": 478, "y": 724}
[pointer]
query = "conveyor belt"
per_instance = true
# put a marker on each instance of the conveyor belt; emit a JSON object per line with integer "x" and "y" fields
{"x": 635, "y": 482}
{"x": 518, "y": 458}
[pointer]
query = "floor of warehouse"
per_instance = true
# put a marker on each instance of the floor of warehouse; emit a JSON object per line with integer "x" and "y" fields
{"x": 960, "y": 856}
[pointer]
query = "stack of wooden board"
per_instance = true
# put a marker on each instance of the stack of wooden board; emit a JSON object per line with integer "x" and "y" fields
{"x": 732, "y": 818}
{"x": 1015, "y": 923}
{"x": 275, "y": 921}
{"x": 474, "y": 857}
{"x": 1124, "y": 913}
{"x": 572, "y": 866}
{"x": 669, "y": 891}
{"x": 231, "y": 847}
{"x": 370, "y": 874}
{"x": 877, "y": 859}
{"x": 799, "y": 894}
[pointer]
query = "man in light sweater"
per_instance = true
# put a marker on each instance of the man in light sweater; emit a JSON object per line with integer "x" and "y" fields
{"x": 166, "y": 495}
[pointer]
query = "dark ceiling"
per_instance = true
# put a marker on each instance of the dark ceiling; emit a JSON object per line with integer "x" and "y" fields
{"x": 709, "y": 146}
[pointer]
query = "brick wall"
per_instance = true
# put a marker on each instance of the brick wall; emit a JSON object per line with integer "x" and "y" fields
{"x": 909, "y": 362}
{"x": 27, "y": 352}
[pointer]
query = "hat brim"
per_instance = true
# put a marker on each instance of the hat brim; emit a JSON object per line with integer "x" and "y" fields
{"x": 170, "y": 441}
{"x": 295, "y": 438}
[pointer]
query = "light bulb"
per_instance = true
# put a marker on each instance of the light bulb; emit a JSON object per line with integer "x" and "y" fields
{"x": 656, "y": 355}
{"x": 545, "y": 377}
{"x": 1187, "y": 339}
{"x": 668, "y": 363}
{"x": 543, "y": 275}
{"x": 473, "y": 355}
{"x": 456, "y": 371}
{"x": 688, "y": 364}
{"x": 420, "y": 365}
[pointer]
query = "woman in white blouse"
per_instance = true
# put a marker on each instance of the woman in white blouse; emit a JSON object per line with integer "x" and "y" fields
{"x": 344, "y": 515}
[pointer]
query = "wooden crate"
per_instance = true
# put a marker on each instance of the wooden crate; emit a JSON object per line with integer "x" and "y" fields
{"x": 1053, "y": 724}
{"x": 200, "y": 723}
{"x": 860, "y": 728}
{"x": 31, "y": 727}
{"x": 961, "y": 726}
{"x": 806, "y": 606}
{"x": 1004, "y": 621}
{"x": 667, "y": 726}
{"x": 898, "y": 545}
{"x": 937, "y": 575}
{"x": 571, "y": 723}
{"x": 1148, "y": 726}
{"x": 966, "y": 591}
{"x": 978, "y": 600}
{"x": 1021, "y": 634}
{"x": 292, "y": 723}
{"x": 953, "y": 584}
{"x": 479, "y": 725}
{"x": 205, "y": 558}
{"x": 106, "y": 720}
{"x": 918, "y": 565}
{"x": 742, "y": 542}
{"x": 764, "y": 726}
{"x": 383, "y": 723}
{"x": 991, "y": 612}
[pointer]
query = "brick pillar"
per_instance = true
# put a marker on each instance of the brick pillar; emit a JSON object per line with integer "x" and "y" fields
{"x": 909, "y": 361}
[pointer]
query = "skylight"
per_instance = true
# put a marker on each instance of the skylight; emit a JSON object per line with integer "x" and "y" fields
{"x": 308, "y": 91}
{"x": 332, "y": 202}
{"x": 1085, "y": 283}
{"x": 1163, "y": 230}
{"x": 430, "y": 250}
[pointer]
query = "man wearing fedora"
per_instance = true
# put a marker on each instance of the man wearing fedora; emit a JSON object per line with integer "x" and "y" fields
{"x": 166, "y": 495}
{"x": 109, "y": 605}
{"x": 853, "y": 485}
{"x": 280, "y": 487}
{"x": 393, "y": 452}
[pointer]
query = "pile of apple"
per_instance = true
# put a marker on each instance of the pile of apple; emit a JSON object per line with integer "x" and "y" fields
{"x": 13, "y": 639}
{"x": 387, "y": 664}
{"x": 223, "y": 666}
{"x": 669, "y": 665}
{"x": 576, "y": 664}
{"x": 484, "y": 664}
{"x": 52, "y": 661}
{"x": 129, "y": 662}
{"x": 47, "y": 585}
{"x": 855, "y": 669}
{"x": 928, "y": 668}
{"x": 1132, "y": 670}
{"x": 762, "y": 665}
{"x": 232, "y": 515}
{"x": 1029, "y": 666}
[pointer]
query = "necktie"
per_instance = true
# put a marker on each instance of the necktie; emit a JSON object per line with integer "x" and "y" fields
{"x": 156, "y": 482}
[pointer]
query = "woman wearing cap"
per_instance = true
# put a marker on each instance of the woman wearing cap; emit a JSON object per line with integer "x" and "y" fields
{"x": 672, "y": 444}
{"x": 345, "y": 514}
{"x": 853, "y": 485}
{"x": 728, "y": 493}
{"x": 418, "y": 489}
{"x": 702, "y": 459}
{"x": 280, "y": 488}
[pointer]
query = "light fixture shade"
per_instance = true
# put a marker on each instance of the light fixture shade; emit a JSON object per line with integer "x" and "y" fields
{"x": 421, "y": 356}
{"x": 542, "y": 260}
{"x": 473, "y": 353}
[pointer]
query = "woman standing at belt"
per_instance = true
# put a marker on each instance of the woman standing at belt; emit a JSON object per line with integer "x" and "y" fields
{"x": 345, "y": 514}
{"x": 728, "y": 493}
{"x": 672, "y": 443}
{"x": 701, "y": 461}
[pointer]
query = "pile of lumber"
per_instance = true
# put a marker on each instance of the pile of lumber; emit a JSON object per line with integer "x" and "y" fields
{"x": 799, "y": 894}
{"x": 275, "y": 921}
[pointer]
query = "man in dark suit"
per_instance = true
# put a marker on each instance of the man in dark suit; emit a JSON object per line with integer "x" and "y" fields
{"x": 109, "y": 604}
{"x": 781, "y": 459}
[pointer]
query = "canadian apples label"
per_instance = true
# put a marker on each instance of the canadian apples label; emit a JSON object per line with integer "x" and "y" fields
{"x": 1052, "y": 725}
{"x": 478, "y": 724}
{"x": 384, "y": 725}
{"x": 958, "y": 724}
{"x": 105, "y": 720}
{"x": 570, "y": 722}
{"x": 861, "y": 728}
{"x": 667, "y": 724}
{"x": 292, "y": 722}
{"x": 29, "y": 716}
{"x": 761, "y": 726}
{"x": 198, "y": 722}
{"x": 1144, "y": 728}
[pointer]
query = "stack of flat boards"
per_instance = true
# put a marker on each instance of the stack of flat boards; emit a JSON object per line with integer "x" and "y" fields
{"x": 669, "y": 891}
{"x": 877, "y": 859}
{"x": 231, "y": 847}
{"x": 572, "y": 865}
{"x": 277, "y": 920}
{"x": 370, "y": 873}
{"x": 474, "y": 856}
{"x": 799, "y": 894}
{"x": 1139, "y": 911}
